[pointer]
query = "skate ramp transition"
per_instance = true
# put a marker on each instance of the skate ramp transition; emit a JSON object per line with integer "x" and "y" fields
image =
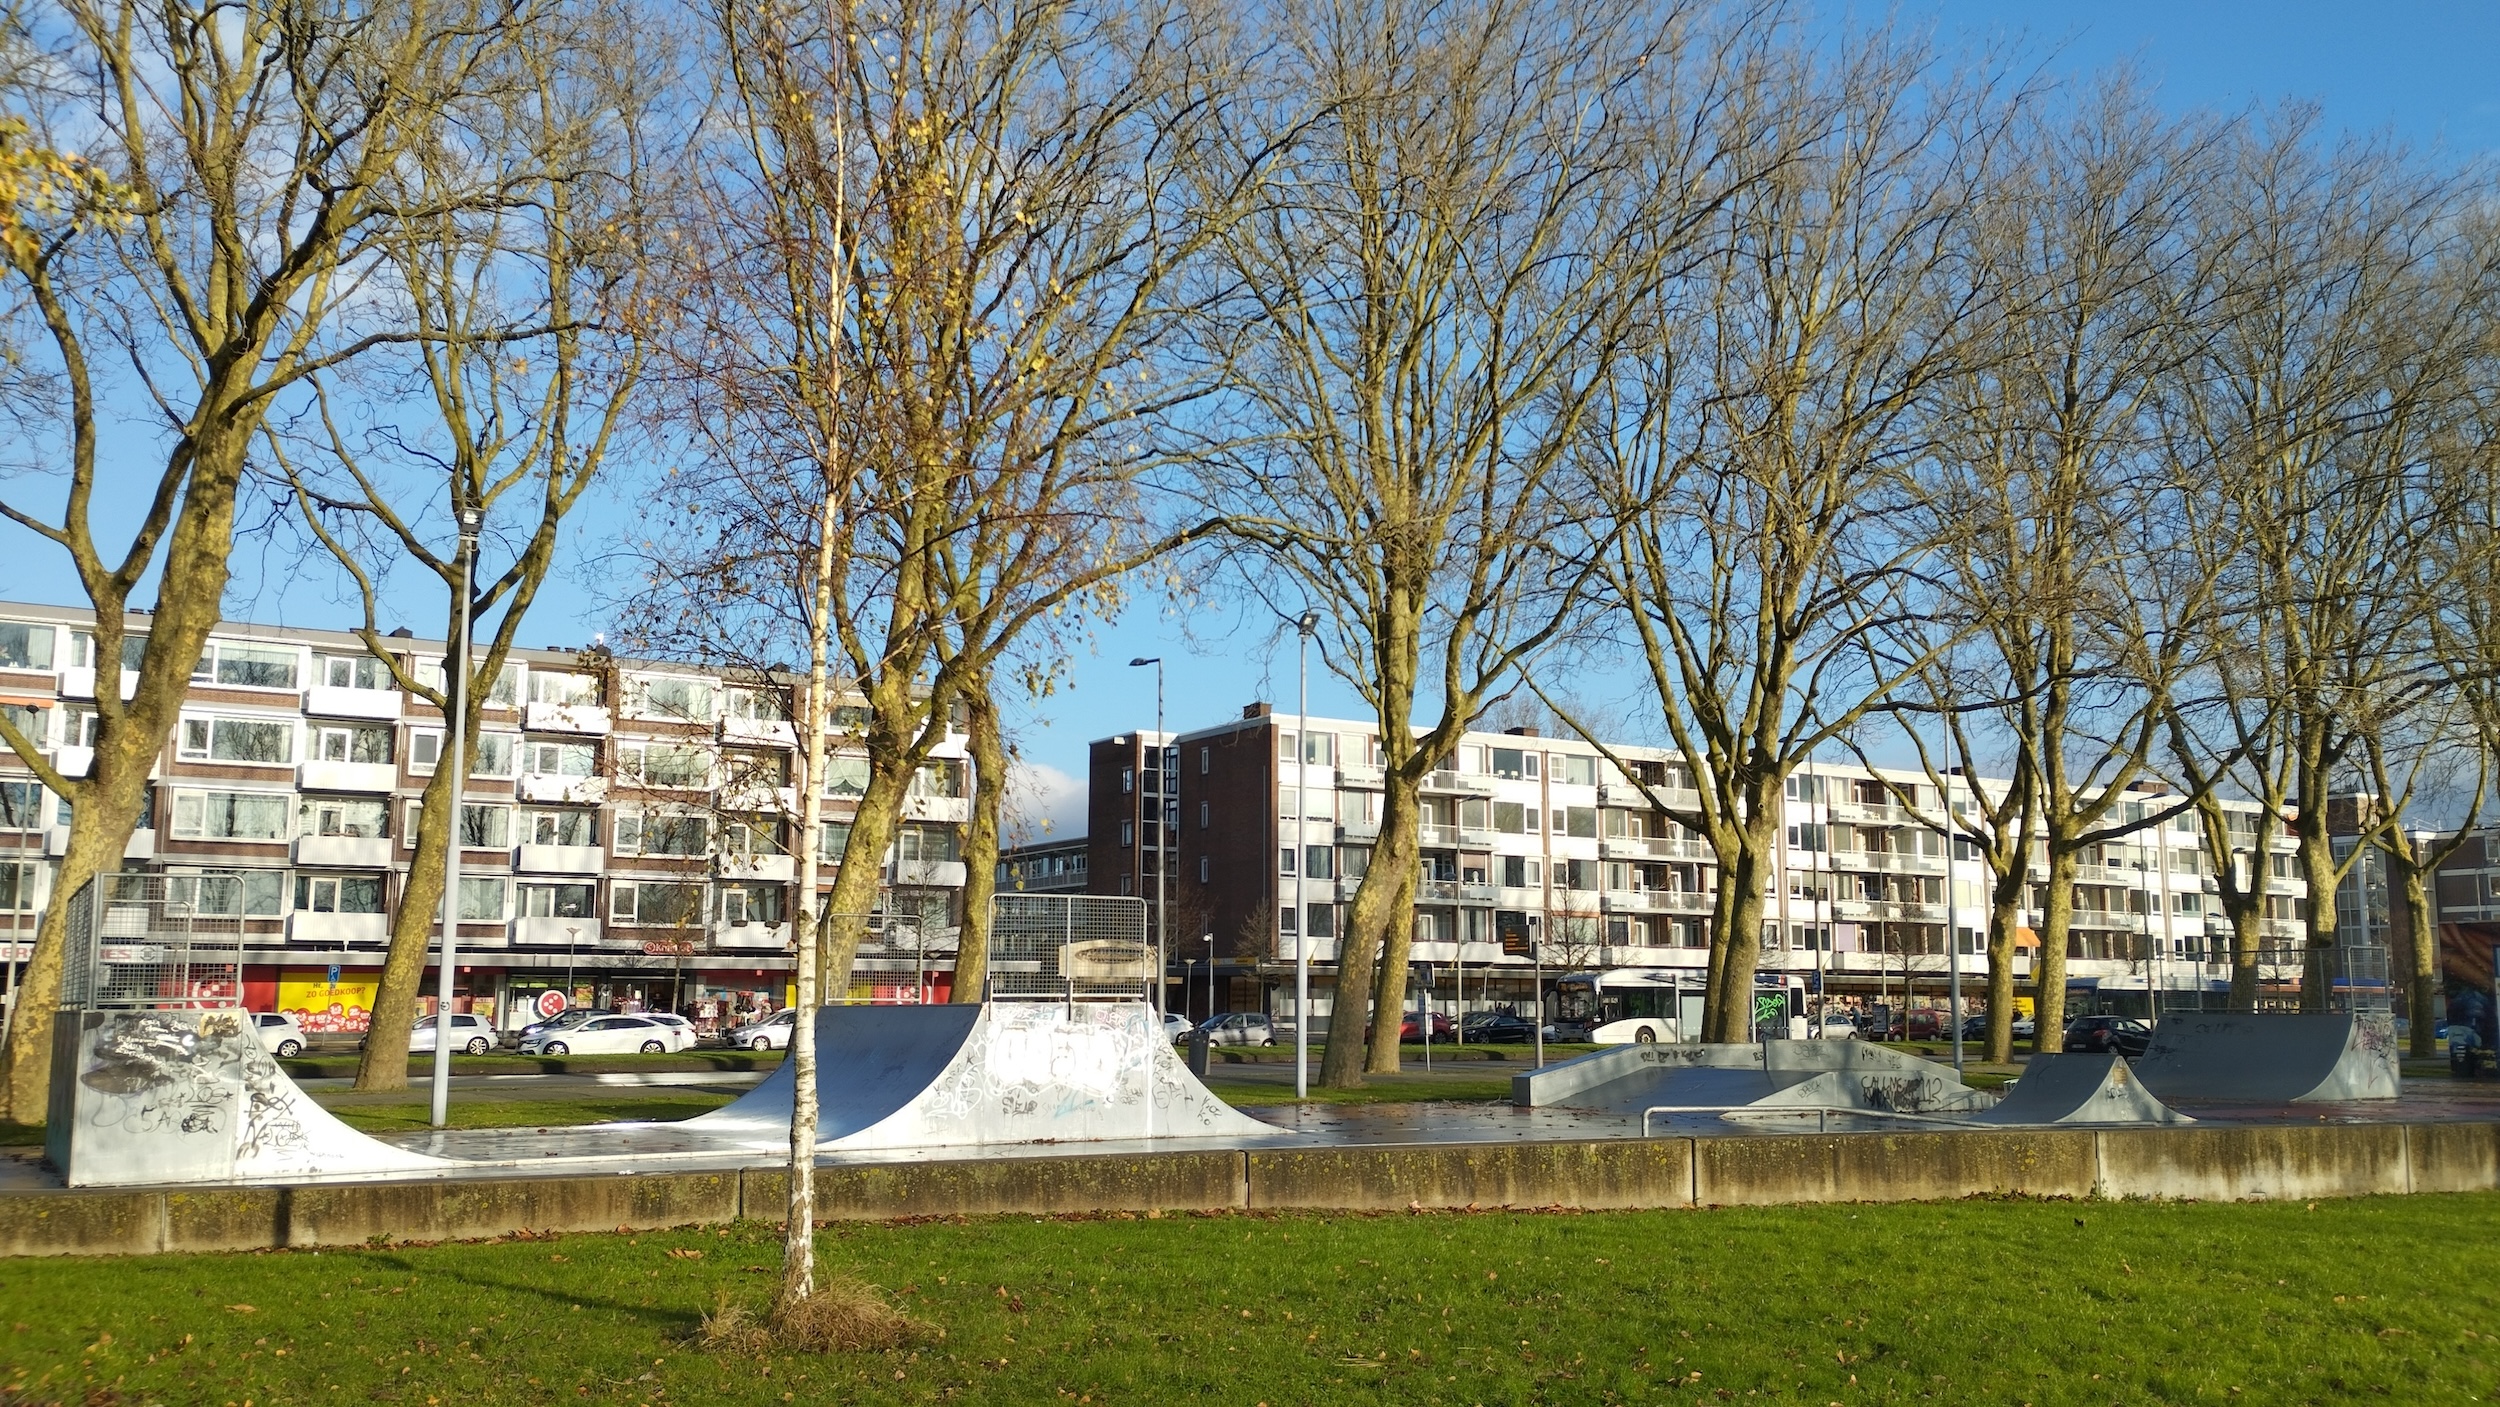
{"x": 2079, "y": 1089}
{"x": 143, "y": 1097}
{"x": 2246, "y": 1058}
{"x": 903, "y": 1077}
{"x": 1771, "y": 1075}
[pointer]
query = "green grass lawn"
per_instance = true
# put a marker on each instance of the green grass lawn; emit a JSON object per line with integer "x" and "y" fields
{"x": 469, "y": 1113}
{"x": 1994, "y": 1302}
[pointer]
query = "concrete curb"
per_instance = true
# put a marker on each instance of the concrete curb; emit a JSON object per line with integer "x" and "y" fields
{"x": 2206, "y": 1162}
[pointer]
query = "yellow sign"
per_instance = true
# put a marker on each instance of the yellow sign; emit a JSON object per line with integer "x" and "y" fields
{"x": 321, "y": 1006}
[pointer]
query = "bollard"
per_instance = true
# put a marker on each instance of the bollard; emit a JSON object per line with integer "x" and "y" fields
{"x": 1198, "y": 1043}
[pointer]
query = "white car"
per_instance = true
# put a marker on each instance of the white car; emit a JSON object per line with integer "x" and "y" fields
{"x": 1835, "y": 1028}
{"x": 681, "y": 1032}
{"x": 279, "y": 1035}
{"x": 1635, "y": 1030}
{"x": 1177, "y": 1028}
{"x": 603, "y": 1035}
{"x": 471, "y": 1035}
{"x": 771, "y": 1033}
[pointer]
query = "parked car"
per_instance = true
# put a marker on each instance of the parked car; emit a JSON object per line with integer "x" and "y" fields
{"x": 608, "y": 1034}
{"x": 1412, "y": 1028}
{"x": 564, "y": 1020}
{"x": 1239, "y": 1028}
{"x": 279, "y": 1035}
{"x": 1177, "y": 1027}
{"x": 681, "y": 1032}
{"x": 1836, "y": 1027}
{"x": 470, "y": 1035}
{"x": 771, "y": 1033}
{"x": 1497, "y": 1028}
{"x": 2099, "y": 1035}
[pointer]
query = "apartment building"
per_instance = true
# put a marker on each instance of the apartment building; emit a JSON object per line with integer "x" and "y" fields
{"x": 624, "y": 834}
{"x": 1550, "y": 855}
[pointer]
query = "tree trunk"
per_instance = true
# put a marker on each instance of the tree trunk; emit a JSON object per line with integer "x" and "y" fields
{"x": 2004, "y": 917}
{"x": 1397, "y": 936}
{"x": 1743, "y": 877}
{"x": 2057, "y": 912}
{"x": 1386, "y": 895}
{"x": 97, "y": 829}
{"x": 989, "y": 785}
{"x": 384, "y": 1063}
{"x": 2414, "y": 945}
{"x": 2248, "y": 938}
{"x": 2317, "y": 867}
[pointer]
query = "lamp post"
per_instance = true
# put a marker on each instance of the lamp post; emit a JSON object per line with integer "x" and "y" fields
{"x": 1210, "y": 942}
{"x": 456, "y": 758}
{"x": 1163, "y": 801}
{"x": 1302, "y": 864}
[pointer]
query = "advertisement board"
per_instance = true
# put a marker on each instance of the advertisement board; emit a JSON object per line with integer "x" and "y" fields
{"x": 322, "y": 1006}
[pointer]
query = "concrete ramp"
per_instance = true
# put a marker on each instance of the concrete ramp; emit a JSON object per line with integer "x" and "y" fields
{"x": 2079, "y": 1089}
{"x": 906, "y": 1077}
{"x": 1850, "y": 1074}
{"x": 144, "y": 1097}
{"x": 2271, "y": 1059}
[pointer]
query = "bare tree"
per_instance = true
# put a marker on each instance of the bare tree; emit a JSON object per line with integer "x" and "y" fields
{"x": 1465, "y": 207}
{"x": 531, "y": 343}
{"x": 1759, "y": 465}
{"x": 255, "y": 150}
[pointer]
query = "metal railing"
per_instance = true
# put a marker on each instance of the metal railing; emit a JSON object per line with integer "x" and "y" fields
{"x": 152, "y": 942}
{"x": 1822, "y": 1113}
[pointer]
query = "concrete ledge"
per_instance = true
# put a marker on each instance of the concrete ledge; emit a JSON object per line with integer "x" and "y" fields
{"x": 1135, "y": 1182}
{"x": 2227, "y": 1163}
{"x": 82, "y": 1223}
{"x": 1892, "y": 1167}
{"x": 1615, "y": 1173}
{"x": 2213, "y": 1162}
{"x": 2452, "y": 1157}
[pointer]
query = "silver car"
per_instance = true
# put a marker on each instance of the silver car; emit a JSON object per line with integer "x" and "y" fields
{"x": 771, "y": 1033}
{"x": 1240, "y": 1028}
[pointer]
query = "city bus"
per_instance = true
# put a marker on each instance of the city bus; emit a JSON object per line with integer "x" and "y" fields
{"x": 1641, "y": 1005}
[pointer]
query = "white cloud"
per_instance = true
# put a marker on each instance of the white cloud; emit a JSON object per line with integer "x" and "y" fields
{"x": 1043, "y": 803}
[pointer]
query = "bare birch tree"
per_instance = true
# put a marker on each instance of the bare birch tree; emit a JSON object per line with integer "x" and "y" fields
{"x": 253, "y": 149}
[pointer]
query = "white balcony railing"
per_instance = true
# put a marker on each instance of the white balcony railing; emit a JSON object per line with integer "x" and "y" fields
{"x": 934, "y": 874}
{"x": 755, "y": 732}
{"x": 540, "y": 930}
{"x": 554, "y": 787}
{"x": 1360, "y": 774}
{"x": 1887, "y": 862}
{"x": 331, "y": 702}
{"x": 540, "y": 717}
{"x": 369, "y": 852}
{"x": 751, "y": 937}
{"x": 1359, "y": 830}
{"x": 559, "y": 859}
{"x": 347, "y": 776}
{"x": 951, "y": 810}
{"x": 74, "y": 761}
{"x": 304, "y": 926}
{"x": 760, "y": 866}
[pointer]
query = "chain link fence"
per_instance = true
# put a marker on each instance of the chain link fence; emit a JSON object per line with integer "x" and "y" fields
{"x": 151, "y": 942}
{"x": 1069, "y": 947}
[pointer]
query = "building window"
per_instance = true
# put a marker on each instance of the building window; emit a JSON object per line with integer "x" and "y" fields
{"x": 846, "y": 777}
{"x": 25, "y": 646}
{"x": 685, "y": 834}
{"x": 1285, "y": 919}
{"x": 1284, "y": 861}
{"x": 339, "y": 894}
{"x": 1510, "y": 818}
{"x": 655, "y": 905}
{"x": 1128, "y": 781}
{"x": 260, "y": 740}
{"x": 680, "y": 765}
{"x": 353, "y": 672}
{"x": 558, "y": 901}
{"x": 929, "y": 844}
{"x": 1319, "y": 862}
{"x": 1574, "y": 770}
{"x": 242, "y": 666}
{"x": 228, "y": 893}
{"x": 1206, "y": 759}
{"x": 332, "y": 744}
{"x": 578, "y": 828}
{"x": 356, "y": 818}
{"x": 482, "y": 900}
{"x": 18, "y": 882}
{"x": 552, "y": 687}
{"x": 230, "y": 815}
{"x": 561, "y": 759}
{"x": 675, "y": 697}
{"x": 1128, "y": 834}
{"x": 751, "y": 903}
{"x": 21, "y": 806}
{"x": 759, "y": 705}
{"x": 1203, "y": 815}
{"x": 1128, "y": 884}
{"x": 425, "y": 751}
{"x": 1323, "y": 921}
{"x": 1202, "y": 869}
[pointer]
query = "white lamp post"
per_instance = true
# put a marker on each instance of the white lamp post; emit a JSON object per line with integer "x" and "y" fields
{"x": 1163, "y": 802}
{"x": 456, "y": 758}
{"x": 1301, "y": 867}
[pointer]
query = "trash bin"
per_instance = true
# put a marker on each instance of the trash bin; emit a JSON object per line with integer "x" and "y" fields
{"x": 1198, "y": 1043}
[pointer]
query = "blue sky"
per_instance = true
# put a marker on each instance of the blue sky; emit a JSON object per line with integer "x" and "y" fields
{"x": 2420, "y": 69}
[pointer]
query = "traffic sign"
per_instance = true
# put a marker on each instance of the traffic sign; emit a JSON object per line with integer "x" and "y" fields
{"x": 551, "y": 1003}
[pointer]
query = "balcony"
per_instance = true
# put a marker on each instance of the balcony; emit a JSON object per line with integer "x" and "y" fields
{"x": 303, "y": 926}
{"x": 328, "y": 701}
{"x": 362, "y": 852}
{"x": 559, "y": 859}
{"x": 80, "y": 683}
{"x": 1887, "y": 862}
{"x": 1870, "y": 813}
{"x": 780, "y": 867}
{"x": 1436, "y": 891}
{"x": 759, "y": 732}
{"x": 952, "y": 810}
{"x": 1443, "y": 836}
{"x": 1470, "y": 782}
{"x": 1477, "y": 894}
{"x": 751, "y": 937}
{"x": 1650, "y": 847}
{"x": 1475, "y": 837}
{"x": 73, "y": 761}
{"x": 1636, "y": 797}
{"x": 1360, "y": 775}
{"x": 550, "y": 786}
{"x": 347, "y": 776}
{"x": 555, "y": 932}
{"x": 1363, "y": 832}
{"x": 142, "y": 844}
{"x": 1657, "y": 901}
{"x": 1312, "y": 776}
{"x": 593, "y": 719}
{"x": 932, "y": 874}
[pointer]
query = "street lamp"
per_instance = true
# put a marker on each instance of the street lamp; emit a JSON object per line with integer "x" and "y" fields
{"x": 1163, "y": 801}
{"x": 1301, "y": 868}
{"x": 1210, "y": 942}
{"x": 457, "y": 760}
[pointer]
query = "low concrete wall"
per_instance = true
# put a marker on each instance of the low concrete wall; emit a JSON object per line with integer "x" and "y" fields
{"x": 2206, "y": 1162}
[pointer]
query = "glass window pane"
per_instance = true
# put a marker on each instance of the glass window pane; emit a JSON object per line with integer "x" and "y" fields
{"x": 25, "y": 646}
{"x": 255, "y": 666}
